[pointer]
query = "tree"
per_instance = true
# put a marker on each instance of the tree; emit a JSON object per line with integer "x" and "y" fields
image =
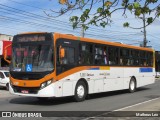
{"x": 105, "y": 9}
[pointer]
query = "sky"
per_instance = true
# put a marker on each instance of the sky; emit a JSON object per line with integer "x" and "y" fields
{"x": 17, "y": 16}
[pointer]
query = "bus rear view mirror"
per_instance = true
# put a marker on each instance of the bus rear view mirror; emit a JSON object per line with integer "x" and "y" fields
{"x": 62, "y": 52}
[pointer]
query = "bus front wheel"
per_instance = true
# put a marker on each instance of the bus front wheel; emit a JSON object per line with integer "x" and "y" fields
{"x": 132, "y": 85}
{"x": 80, "y": 91}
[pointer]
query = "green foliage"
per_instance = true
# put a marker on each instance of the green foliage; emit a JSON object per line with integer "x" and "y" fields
{"x": 99, "y": 10}
{"x": 82, "y": 1}
{"x": 136, "y": 5}
{"x": 102, "y": 15}
{"x": 138, "y": 12}
{"x": 145, "y": 10}
{"x": 93, "y": 22}
{"x": 74, "y": 25}
{"x": 126, "y": 24}
{"x": 107, "y": 4}
{"x": 84, "y": 27}
{"x": 103, "y": 24}
{"x": 149, "y": 20}
{"x": 130, "y": 7}
{"x": 74, "y": 20}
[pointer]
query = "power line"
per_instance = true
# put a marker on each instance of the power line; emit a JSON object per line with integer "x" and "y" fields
{"x": 28, "y": 5}
{"x": 40, "y": 18}
{"x": 34, "y": 15}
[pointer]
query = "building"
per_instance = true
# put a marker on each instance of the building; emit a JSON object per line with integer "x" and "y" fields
{"x": 6, "y": 37}
{"x": 5, "y": 40}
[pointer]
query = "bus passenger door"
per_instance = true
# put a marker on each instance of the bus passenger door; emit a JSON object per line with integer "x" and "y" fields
{"x": 66, "y": 61}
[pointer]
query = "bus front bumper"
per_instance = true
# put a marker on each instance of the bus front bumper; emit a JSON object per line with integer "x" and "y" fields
{"x": 45, "y": 92}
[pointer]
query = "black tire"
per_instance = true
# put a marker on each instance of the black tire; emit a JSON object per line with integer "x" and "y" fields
{"x": 7, "y": 86}
{"x": 80, "y": 91}
{"x": 132, "y": 85}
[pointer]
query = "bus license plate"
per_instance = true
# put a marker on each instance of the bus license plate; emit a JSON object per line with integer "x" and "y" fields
{"x": 24, "y": 91}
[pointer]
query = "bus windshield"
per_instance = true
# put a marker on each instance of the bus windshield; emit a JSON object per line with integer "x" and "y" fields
{"x": 32, "y": 58}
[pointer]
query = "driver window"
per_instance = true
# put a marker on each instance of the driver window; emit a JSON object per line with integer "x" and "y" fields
{"x": 69, "y": 57}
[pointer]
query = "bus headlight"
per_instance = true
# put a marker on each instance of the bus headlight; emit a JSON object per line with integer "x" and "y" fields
{"x": 45, "y": 84}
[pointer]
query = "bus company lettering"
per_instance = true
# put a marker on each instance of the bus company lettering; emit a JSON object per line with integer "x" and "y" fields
{"x": 83, "y": 74}
{"x": 101, "y": 73}
{"x": 104, "y": 74}
{"x": 89, "y": 74}
{"x": 86, "y": 74}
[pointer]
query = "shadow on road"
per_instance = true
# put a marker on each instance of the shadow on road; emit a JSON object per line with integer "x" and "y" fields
{"x": 114, "y": 93}
{"x": 36, "y": 101}
{"x": 66, "y": 100}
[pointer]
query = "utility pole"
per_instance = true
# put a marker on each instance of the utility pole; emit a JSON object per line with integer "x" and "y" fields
{"x": 82, "y": 31}
{"x": 144, "y": 30}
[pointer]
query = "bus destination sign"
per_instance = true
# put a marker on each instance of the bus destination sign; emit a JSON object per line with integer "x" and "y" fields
{"x": 31, "y": 38}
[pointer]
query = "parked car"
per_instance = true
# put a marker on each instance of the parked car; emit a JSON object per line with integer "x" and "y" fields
{"x": 4, "y": 79}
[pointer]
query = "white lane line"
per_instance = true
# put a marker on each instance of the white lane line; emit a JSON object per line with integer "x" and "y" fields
{"x": 121, "y": 109}
{"x": 137, "y": 104}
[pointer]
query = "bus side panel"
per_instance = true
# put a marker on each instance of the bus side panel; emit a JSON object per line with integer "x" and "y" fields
{"x": 94, "y": 80}
{"x": 67, "y": 88}
{"x": 58, "y": 89}
{"x": 98, "y": 80}
{"x": 146, "y": 76}
{"x": 128, "y": 73}
{"x": 69, "y": 84}
{"x": 114, "y": 79}
{"x": 84, "y": 75}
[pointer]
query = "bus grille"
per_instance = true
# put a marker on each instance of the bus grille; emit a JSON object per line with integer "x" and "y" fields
{"x": 30, "y": 90}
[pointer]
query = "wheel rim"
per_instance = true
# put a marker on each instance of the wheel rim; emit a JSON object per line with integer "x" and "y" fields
{"x": 132, "y": 85}
{"x": 80, "y": 91}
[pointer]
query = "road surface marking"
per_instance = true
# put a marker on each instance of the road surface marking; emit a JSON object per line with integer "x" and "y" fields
{"x": 136, "y": 104}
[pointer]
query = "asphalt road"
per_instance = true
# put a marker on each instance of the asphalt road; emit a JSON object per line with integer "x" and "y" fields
{"x": 108, "y": 101}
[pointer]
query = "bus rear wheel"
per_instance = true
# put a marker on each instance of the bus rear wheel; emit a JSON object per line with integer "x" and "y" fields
{"x": 80, "y": 91}
{"x": 132, "y": 85}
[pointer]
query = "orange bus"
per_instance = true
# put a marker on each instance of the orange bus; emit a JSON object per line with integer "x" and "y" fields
{"x": 47, "y": 65}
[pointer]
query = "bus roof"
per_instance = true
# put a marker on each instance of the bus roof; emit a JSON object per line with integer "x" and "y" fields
{"x": 102, "y": 42}
{"x": 25, "y": 33}
{"x": 70, "y": 36}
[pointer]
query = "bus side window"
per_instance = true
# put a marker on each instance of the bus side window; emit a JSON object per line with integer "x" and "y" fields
{"x": 85, "y": 54}
{"x": 98, "y": 56}
{"x": 124, "y": 57}
{"x": 105, "y": 56}
{"x": 113, "y": 55}
{"x": 101, "y": 55}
